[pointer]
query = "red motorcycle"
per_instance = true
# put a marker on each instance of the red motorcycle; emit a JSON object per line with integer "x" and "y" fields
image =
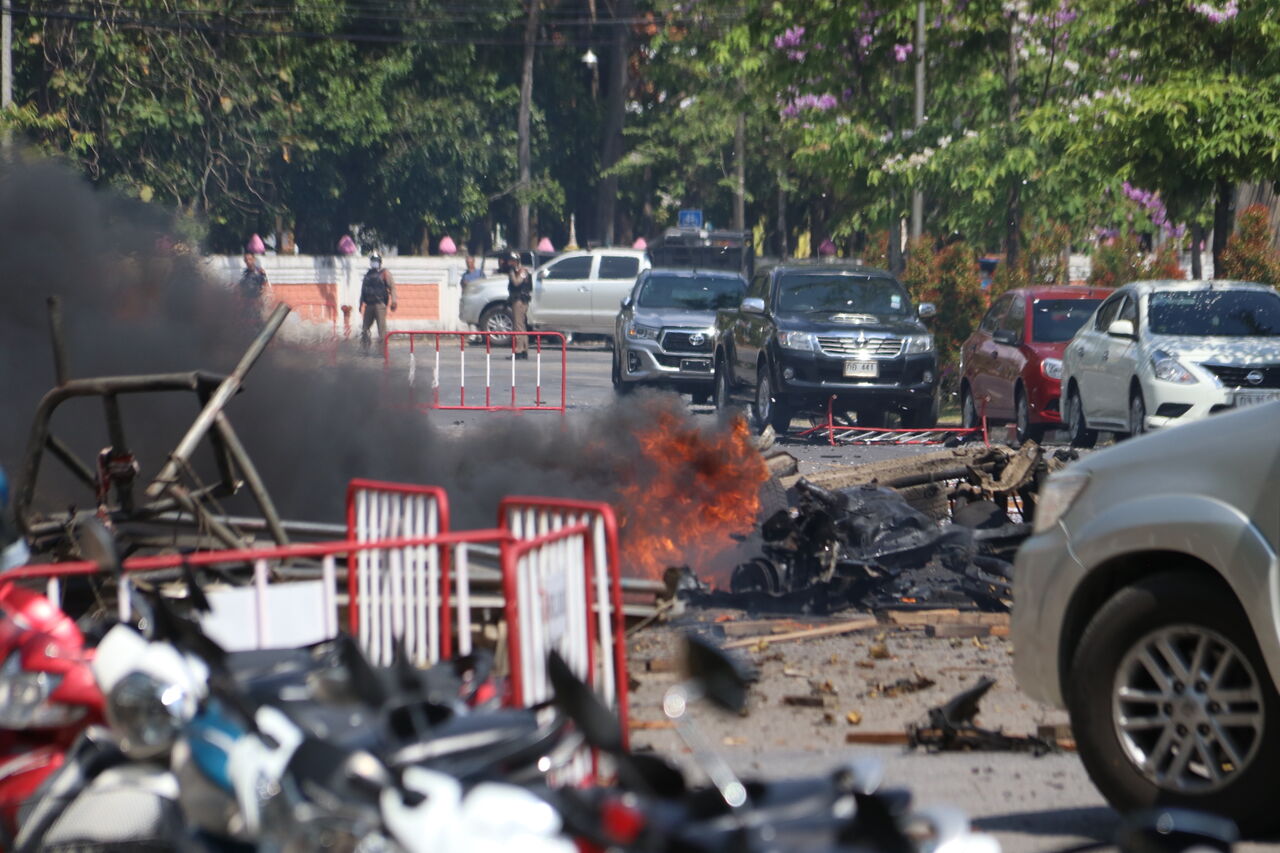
{"x": 47, "y": 695}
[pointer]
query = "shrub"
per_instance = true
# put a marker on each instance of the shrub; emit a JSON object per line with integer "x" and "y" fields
{"x": 1120, "y": 260}
{"x": 1249, "y": 255}
{"x": 949, "y": 279}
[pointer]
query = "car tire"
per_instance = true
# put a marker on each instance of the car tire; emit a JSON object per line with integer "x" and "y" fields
{"x": 1027, "y": 431}
{"x": 620, "y": 386}
{"x": 968, "y": 410}
{"x": 1145, "y": 641}
{"x": 872, "y": 418}
{"x": 770, "y": 411}
{"x": 922, "y": 415}
{"x": 497, "y": 318}
{"x": 700, "y": 398}
{"x": 1081, "y": 435}
{"x": 721, "y": 394}
{"x": 1137, "y": 414}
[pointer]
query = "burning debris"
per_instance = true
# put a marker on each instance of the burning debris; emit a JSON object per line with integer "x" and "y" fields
{"x": 873, "y": 546}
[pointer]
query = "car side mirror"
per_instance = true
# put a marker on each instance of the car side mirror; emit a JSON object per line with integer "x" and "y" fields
{"x": 927, "y": 310}
{"x": 626, "y": 302}
{"x": 752, "y": 305}
{"x": 1121, "y": 329}
{"x": 1007, "y": 337}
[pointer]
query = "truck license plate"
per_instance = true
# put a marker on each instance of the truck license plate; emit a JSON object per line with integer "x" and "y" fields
{"x": 696, "y": 365}
{"x": 1250, "y": 398}
{"x": 861, "y": 369}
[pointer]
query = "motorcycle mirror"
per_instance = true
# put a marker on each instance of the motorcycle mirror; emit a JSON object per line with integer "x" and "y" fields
{"x": 580, "y": 704}
{"x": 722, "y": 678}
{"x": 1172, "y": 830}
{"x": 98, "y": 545}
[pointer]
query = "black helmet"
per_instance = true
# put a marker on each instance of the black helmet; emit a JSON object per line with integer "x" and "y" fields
{"x": 375, "y": 256}
{"x": 513, "y": 255}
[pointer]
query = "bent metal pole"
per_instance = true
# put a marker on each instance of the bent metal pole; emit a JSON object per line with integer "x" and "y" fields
{"x": 204, "y": 421}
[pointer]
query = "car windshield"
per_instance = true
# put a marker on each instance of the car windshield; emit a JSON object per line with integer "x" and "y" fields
{"x": 691, "y": 293}
{"x": 1215, "y": 313}
{"x": 1056, "y": 320}
{"x": 857, "y": 294}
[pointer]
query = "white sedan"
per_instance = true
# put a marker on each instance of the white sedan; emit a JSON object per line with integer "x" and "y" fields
{"x": 1157, "y": 353}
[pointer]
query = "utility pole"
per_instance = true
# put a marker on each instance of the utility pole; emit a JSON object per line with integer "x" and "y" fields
{"x": 917, "y": 197}
{"x": 523, "y": 155}
{"x": 740, "y": 174}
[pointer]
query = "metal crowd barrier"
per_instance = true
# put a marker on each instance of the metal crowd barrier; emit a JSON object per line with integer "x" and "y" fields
{"x": 849, "y": 434}
{"x": 555, "y": 345}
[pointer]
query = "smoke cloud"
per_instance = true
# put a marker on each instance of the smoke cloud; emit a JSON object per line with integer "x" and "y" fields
{"x": 136, "y": 301}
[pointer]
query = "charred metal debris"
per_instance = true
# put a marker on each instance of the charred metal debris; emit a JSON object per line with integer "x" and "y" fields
{"x": 938, "y": 530}
{"x": 950, "y": 727}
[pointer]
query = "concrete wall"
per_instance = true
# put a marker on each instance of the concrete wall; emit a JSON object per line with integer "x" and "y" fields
{"x": 318, "y": 286}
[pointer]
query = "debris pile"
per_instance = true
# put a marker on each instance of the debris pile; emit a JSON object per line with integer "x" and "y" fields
{"x": 941, "y": 531}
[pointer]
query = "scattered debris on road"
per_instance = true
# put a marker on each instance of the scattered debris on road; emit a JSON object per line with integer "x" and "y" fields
{"x": 951, "y": 727}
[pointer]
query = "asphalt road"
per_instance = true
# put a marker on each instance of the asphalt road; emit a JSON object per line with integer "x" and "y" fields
{"x": 1028, "y": 803}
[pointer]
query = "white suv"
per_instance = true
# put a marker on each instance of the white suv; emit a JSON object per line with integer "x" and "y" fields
{"x": 576, "y": 292}
{"x": 1157, "y": 353}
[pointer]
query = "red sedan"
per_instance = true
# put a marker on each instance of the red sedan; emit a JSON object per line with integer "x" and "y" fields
{"x": 1012, "y": 364}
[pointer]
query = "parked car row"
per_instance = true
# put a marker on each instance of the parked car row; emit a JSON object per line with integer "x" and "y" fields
{"x": 1149, "y": 354}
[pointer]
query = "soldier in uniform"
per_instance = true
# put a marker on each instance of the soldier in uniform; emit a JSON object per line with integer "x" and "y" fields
{"x": 519, "y": 292}
{"x": 377, "y": 292}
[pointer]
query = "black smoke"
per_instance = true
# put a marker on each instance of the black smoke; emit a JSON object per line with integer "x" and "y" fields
{"x": 136, "y": 300}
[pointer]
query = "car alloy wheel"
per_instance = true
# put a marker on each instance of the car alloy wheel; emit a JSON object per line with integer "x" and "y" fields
{"x": 1137, "y": 414}
{"x": 1027, "y": 431}
{"x": 968, "y": 411}
{"x": 1187, "y": 709}
{"x": 1081, "y": 435}
{"x": 764, "y": 400}
{"x": 721, "y": 392}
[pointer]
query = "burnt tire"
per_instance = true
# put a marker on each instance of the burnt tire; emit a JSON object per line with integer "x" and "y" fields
{"x": 1081, "y": 435}
{"x": 1172, "y": 705}
{"x": 773, "y": 498}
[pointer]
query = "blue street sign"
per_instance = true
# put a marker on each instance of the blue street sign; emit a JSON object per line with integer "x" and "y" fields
{"x": 690, "y": 219}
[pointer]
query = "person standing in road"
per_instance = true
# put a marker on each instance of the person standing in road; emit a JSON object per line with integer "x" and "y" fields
{"x": 519, "y": 292}
{"x": 377, "y": 293}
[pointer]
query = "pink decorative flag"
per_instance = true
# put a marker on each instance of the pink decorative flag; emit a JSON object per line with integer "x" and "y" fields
{"x": 346, "y": 246}
{"x": 827, "y": 248}
{"x": 447, "y": 246}
{"x": 256, "y": 245}
{"x": 640, "y": 244}
{"x": 544, "y": 245}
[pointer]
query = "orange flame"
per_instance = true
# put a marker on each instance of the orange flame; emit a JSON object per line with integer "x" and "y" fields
{"x": 689, "y": 490}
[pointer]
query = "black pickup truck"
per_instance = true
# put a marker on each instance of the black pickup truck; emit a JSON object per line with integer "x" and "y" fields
{"x": 807, "y": 332}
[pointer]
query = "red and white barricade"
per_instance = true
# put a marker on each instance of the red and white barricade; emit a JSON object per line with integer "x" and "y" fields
{"x": 523, "y": 381}
{"x": 849, "y": 434}
{"x": 402, "y": 592}
{"x": 530, "y": 585}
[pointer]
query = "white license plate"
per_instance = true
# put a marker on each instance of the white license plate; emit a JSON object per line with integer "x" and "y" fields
{"x": 861, "y": 369}
{"x": 1250, "y": 398}
{"x": 696, "y": 365}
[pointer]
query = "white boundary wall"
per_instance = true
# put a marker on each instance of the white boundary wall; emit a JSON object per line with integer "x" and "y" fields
{"x": 346, "y": 271}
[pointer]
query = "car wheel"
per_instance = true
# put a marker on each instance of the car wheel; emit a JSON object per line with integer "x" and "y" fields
{"x": 770, "y": 411}
{"x": 1027, "y": 431}
{"x": 1081, "y": 435}
{"x": 497, "y": 318}
{"x": 619, "y": 385}
{"x": 721, "y": 395}
{"x": 872, "y": 418}
{"x": 700, "y": 398}
{"x": 1171, "y": 703}
{"x": 968, "y": 411}
{"x": 1137, "y": 414}
{"x": 922, "y": 415}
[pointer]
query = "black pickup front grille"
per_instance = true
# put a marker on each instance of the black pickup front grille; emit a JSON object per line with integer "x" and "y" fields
{"x": 685, "y": 342}
{"x": 1238, "y": 376}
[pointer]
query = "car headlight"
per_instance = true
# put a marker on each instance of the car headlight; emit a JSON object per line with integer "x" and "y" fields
{"x": 636, "y": 330}
{"x": 1056, "y": 498}
{"x": 916, "y": 344}
{"x": 24, "y": 698}
{"x": 1051, "y": 368}
{"x": 804, "y": 341}
{"x": 146, "y": 714}
{"x": 1167, "y": 368}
